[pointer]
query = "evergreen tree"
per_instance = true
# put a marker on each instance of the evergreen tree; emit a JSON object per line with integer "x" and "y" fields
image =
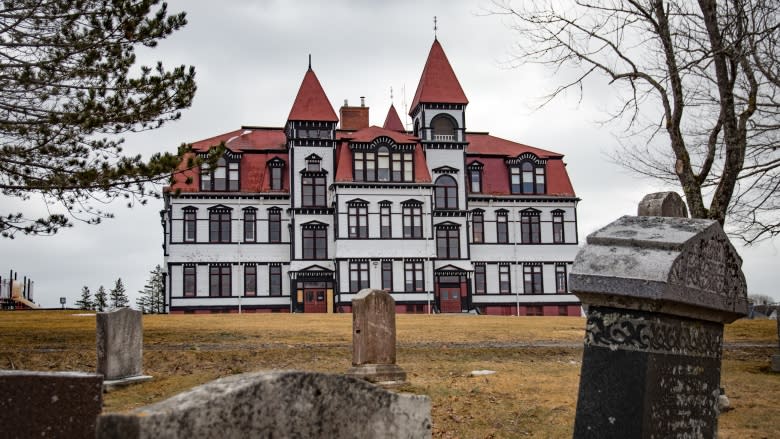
{"x": 70, "y": 88}
{"x": 152, "y": 299}
{"x": 101, "y": 299}
{"x": 118, "y": 295}
{"x": 85, "y": 302}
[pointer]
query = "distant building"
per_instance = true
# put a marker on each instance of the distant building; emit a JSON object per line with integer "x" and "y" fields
{"x": 300, "y": 218}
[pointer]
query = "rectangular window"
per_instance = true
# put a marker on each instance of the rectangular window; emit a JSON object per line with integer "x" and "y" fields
{"x": 274, "y": 225}
{"x": 502, "y": 229}
{"x": 529, "y": 230}
{"x": 190, "y": 277}
{"x": 385, "y": 225}
{"x": 219, "y": 226}
{"x": 250, "y": 225}
{"x": 563, "y": 310}
{"x": 219, "y": 281}
{"x": 190, "y": 226}
{"x": 233, "y": 176}
{"x": 250, "y": 280}
{"x": 532, "y": 279}
{"x": 315, "y": 244}
{"x": 557, "y": 225}
{"x": 448, "y": 244}
{"x": 534, "y": 310}
{"x": 402, "y": 168}
{"x": 413, "y": 277}
{"x": 561, "y": 286}
{"x": 358, "y": 276}
{"x": 205, "y": 178}
{"x": 387, "y": 275}
{"x": 480, "y": 284}
{"x": 475, "y": 179}
{"x": 276, "y": 179}
{"x": 539, "y": 177}
{"x": 358, "y": 221}
{"x": 504, "y": 282}
{"x": 478, "y": 228}
{"x": 514, "y": 177}
{"x": 275, "y": 280}
{"x": 412, "y": 221}
{"x": 313, "y": 191}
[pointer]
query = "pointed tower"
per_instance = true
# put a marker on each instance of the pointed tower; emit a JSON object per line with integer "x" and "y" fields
{"x": 392, "y": 121}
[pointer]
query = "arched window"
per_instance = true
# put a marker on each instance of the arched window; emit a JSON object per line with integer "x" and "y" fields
{"x": 383, "y": 164}
{"x": 443, "y": 127}
{"x": 528, "y": 178}
{"x": 446, "y": 193}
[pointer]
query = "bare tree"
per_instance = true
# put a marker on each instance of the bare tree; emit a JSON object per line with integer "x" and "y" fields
{"x": 697, "y": 85}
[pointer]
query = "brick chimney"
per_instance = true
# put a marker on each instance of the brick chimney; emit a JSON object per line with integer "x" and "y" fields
{"x": 354, "y": 118}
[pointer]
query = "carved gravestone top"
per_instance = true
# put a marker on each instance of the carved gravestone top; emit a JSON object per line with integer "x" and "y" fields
{"x": 119, "y": 343}
{"x": 373, "y": 326}
{"x": 668, "y": 204}
{"x": 679, "y": 266}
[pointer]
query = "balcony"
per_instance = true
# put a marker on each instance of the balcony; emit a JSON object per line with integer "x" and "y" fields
{"x": 444, "y": 137}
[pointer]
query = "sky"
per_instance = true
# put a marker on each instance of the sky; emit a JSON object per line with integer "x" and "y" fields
{"x": 250, "y": 57}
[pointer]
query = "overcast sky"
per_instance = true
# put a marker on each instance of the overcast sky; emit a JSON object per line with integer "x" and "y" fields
{"x": 250, "y": 57}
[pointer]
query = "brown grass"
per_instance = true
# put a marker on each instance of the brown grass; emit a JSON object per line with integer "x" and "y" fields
{"x": 533, "y": 393}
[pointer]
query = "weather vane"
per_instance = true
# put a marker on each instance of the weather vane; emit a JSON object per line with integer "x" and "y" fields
{"x": 391, "y": 94}
{"x": 435, "y": 27}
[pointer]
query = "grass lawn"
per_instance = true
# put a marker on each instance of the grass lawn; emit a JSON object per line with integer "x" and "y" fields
{"x": 533, "y": 393}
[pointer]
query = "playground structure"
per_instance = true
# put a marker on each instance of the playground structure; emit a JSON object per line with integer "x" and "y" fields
{"x": 16, "y": 294}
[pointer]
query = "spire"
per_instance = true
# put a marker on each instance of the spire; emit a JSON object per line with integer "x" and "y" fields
{"x": 438, "y": 83}
{"x": 311, "y": 103}
{"x": 392, "y": 121}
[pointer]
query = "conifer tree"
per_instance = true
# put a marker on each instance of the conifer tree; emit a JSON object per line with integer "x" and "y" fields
{"x": 101, "y": 299}
{"x": 152, "y": 297}
{"x": 118, "y": 295}
{"x": 85, "y": 302}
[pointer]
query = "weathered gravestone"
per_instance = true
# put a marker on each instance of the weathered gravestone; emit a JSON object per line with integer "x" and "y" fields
{"x": 373, "y": 338}
{"x": 776, "y": 358}
{"x": 49, "y": 404}
{"x": 120, "y": 343}
{"x": 277, "y": 405}
{"x": 663, "y": 204}
{"x": 658, "y": 292}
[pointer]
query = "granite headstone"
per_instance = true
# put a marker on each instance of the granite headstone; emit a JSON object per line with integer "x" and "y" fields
{"x": 658, "y": 292}
{"x": 668, "y": 204}
{"x": 120, "y": 347}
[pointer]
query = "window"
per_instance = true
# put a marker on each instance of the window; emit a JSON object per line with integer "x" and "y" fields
{"x": 529, "y": 228}
{"x": 412, "y": 221}
{"x": 413, "y": 277}
{"x": 561, "y": 286}
{"x": 250, "y": 280}
{"x": 219, "y": 226}
{"x": 385, "y": 224}
{"x": 276, "y": 178}
{"x": 402, "y": 167}
{"x": 387, "y": 275}
{"x": 480, "y": 284}
{"x": 443, "y": 128}
{"x": 190, "y": 277}
{"x": 532, "y": 279}
{"x": 313, "y": 191}
{"x": 448, "y": 243}
{"x": 502, "y": 230}
{"x": 219, "y": 281}
{"x": 557, "y": 225}
{"x": 358, "y": 221}
{"x": 446, "y": 193}
{"x": 190, "y": 226}
{"x": 478, "y": 227}
{"x": 475, "y": 180}
{"x": 504, "y": 282}
{"x": 528, "y": 178}
{"x": 534, "y": 310}
{"x": 365, "y": 166}
{"x": 224, "y": 176}
{"x": 315, "y": 243}
{"x": 274, "y": 224}
{"x": 250, "y": 225}
{"x": 358, "y": 276}
{"x": 313, "y": 163}
{"x": 383, "y": 164}
{"x": 275, "y": 280}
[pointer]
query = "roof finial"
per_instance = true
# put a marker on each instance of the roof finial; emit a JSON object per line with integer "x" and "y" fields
{"x": 435, "y": 27}
{"x": 310, "y": 61}
{"x": 391, "y": 94}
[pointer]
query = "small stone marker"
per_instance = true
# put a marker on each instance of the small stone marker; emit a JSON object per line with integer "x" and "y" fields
{"x": 120, "y": 343}
{"x": 373, "y": 338}
{"x": 658, "y": 292}
{"x": 277, "y": 405}
{"x": 49, "y": 404}
{"x": 776, "y": 358}
{"x": 668, "y": 204}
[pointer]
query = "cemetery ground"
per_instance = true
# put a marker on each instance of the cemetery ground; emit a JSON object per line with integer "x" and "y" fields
{"x": 532, "y": 394}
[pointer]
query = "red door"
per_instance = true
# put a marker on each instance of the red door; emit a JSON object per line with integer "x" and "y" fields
{"x": 314, "y": 301}
{"x": 449, "y": 299}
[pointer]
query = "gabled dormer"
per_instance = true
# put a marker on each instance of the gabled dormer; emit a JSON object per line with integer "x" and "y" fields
{"x": 438, "y": 108}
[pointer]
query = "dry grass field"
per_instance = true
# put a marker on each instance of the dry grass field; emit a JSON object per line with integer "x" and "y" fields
{"x": 533, "y": 393}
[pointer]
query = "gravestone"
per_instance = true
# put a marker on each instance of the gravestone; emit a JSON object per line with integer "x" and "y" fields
{"x": 277, "y": 405}
{"x": 658, "y": 292}
{"x": 49, "y": 404}
{"x": 120, "y": 343}
{"x": 373, "y": 338}
{"x": 776, "y": 358}
{"x": 663, "y": 204}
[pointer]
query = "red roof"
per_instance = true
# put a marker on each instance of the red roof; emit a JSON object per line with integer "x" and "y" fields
{"x": 246, "y": 139}
{"x": 344, "y": 161}
{"x": 392, "y": 121}
{"x": 311, "y": 103}
{"x": 367, "y": 135}
{"x": 438, "y": 83}
{"x": 483, "y": 143}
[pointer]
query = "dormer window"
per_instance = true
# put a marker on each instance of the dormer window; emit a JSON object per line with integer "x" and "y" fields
{"x": 527, "y": 176}
{"x": 224, "y": 176}
{"x": 443, "y": 127}
{"x": 382, "y": 161}
{"x": 475, "y": 177}
{"x": 383, "y": 164}
{"x": 276, "y": 166}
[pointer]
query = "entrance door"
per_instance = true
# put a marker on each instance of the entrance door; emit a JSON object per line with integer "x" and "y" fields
{"x": 314, "y": 300}
{"x": 449, "y": 298}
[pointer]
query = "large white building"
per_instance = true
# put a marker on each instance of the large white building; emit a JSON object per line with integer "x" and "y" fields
{"x": 300, "y": 218}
